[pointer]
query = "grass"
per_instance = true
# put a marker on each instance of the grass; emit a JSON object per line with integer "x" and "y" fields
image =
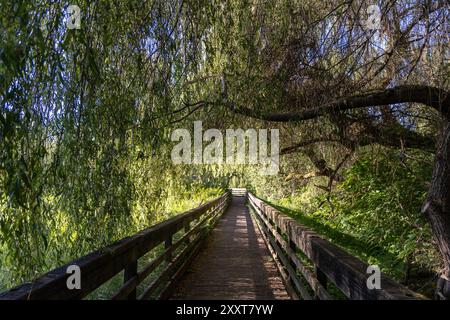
{"x": 350, "y": 243}
{"x": 389, "y": 263}
{"x": 107, "y": 289}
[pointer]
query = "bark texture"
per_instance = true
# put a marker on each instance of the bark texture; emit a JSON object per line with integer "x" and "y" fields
{"x": 437, "y": 208}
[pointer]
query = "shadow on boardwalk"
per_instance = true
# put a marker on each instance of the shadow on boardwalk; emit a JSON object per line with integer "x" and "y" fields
{"x": 234, "y": 264}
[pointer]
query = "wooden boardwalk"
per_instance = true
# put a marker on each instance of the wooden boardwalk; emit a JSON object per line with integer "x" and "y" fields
{"x": 234, "y": 263}
{"x": 230, "y": 262}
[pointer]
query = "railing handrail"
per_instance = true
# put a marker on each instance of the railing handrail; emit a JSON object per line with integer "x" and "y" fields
{"x": 331, "y": 262}
{"x": 283, "y": 235}
{"x": 99, "y": 266}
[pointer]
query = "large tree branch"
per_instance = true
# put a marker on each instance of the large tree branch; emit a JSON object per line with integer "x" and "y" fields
{"x": 394, "y": 136}
{"x": 357, "y": 132}
{"x": 436, "y": 98}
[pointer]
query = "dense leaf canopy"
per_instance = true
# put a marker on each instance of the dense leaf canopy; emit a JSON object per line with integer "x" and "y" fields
{"x": 87, "y": 113}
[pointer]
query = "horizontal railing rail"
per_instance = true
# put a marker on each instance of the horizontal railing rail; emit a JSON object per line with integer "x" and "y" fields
{"x": 100, "y": 266}
{"x": 239, "y": 192}
{"x": 308, "y": 262}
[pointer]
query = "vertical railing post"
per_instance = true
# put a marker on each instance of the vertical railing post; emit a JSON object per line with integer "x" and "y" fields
{"x": 213, "y": 221}
{"x": 293, "y": 247}
{"x": 321, "y": 277}
{"x": 167, "y": 245}
{"x": 187, "y": 228}
{"x": 130, "y": 272}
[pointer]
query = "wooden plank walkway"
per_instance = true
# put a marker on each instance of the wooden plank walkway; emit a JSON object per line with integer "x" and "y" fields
{"x": 234, "y": 263}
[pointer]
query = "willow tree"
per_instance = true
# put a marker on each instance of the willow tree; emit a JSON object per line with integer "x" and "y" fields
{"x": 85, "y": 115}
{"x": 81, "y": 108}
{"x": 343, "y": 72}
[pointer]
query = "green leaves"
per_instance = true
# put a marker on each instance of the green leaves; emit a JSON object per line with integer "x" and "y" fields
{"x": 375, "y": 211}
{"x": 379, "y": 202}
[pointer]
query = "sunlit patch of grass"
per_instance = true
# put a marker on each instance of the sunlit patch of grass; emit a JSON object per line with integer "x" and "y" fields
{"x": 66, "y": 242}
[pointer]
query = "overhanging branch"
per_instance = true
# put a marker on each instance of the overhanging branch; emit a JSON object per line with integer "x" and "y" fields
{"x": 434, "y": 97}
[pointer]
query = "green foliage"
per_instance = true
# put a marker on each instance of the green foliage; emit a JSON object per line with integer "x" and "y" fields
{"x": 85, "y": 122}
{"x": 381, "y": 202}
{"x": 376, "y": 211}
{"x": 86, "y": 117}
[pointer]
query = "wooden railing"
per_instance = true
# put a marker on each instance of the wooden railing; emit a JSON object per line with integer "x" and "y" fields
{"x": 100, "y": 266}
{"x": 308, "y": 262}
{"x": 238, "y": 192}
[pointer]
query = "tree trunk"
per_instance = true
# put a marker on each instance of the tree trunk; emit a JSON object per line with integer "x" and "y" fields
{"x": 437, "y": 208}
